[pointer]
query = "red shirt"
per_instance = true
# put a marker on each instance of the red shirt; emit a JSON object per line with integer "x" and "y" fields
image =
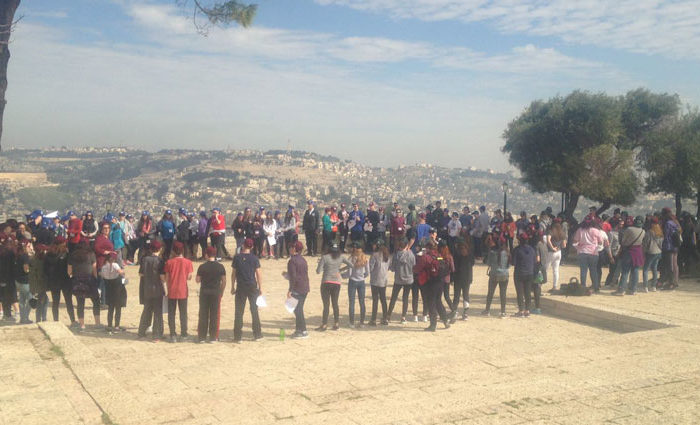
{"x": 178, "y": 269}
{"x": 221, "y": 225}
{"x": 75, "y": 225}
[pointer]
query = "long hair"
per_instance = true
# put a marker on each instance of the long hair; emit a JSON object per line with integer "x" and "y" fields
{"x": 445, "y": 252}
{"x": 384, "y": 250}
{"x": 656, "y": 230}
{"x": 358, "y": 258}
{"x": 464, "y": 248}
{"x": 57, "y": 249}
{"x": 556, "y": 232}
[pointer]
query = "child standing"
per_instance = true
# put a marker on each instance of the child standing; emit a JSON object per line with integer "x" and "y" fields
{"x": 112, "y": 273}
{"x": 498, "y": 261}
{"x": 379, "y": 264}
{"x": 359, "y": 270}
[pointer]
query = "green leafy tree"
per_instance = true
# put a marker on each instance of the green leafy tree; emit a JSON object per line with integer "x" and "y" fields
{"x": 671, "y": 158}
{"x": 220, "y": 13}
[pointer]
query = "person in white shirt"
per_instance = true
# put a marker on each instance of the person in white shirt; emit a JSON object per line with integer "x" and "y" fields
{"x": 112, "y": 273}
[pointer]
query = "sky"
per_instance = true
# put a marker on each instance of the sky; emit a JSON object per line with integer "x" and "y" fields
{"x": 380, "y": 82}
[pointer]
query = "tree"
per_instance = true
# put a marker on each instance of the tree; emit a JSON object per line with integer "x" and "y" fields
{"x": 221, "y": 14}
{"x": 671, "y": 157}
{"x": 585, "y": 144}
{"x": 7, "y": 23}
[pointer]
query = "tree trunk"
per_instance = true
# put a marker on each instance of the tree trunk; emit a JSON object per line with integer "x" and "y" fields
{"x": 7, "y": 16}
{"x": 603, "y": 208}
{"x": 571, "y": 203}
{"x": 679, "y": 205}
{"x": 697, "y": 200}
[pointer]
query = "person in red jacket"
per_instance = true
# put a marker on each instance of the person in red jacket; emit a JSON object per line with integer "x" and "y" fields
{"x": 425, "y": 269}
{"x": 75, "y": 226}
{"x": 398, "y": 228}
{"x": 103, "y": 247}
{"x": 217, "y": 224}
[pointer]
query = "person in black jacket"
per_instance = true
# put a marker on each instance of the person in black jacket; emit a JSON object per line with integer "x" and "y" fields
{"x": 311, "y": 225}
{"x": 183, "y": 232}
{"x": 56, "y": 272}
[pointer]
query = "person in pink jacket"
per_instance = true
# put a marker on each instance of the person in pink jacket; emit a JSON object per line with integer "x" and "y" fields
{"x": 587, "y": 240}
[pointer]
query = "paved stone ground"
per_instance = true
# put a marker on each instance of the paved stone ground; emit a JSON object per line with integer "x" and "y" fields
{"x": 486, "y": 370}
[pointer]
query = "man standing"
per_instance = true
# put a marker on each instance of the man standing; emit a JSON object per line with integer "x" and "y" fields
{"x": 178, "y": 271}
{"x": 311, "y": 226}
{"x": 212, "y": 276}
{"x": 246, "y": 271}
{"x": 343, "y": 217}
{"x": 371, "y": 230}
{"x": 217, "y": 227}
{"x": 356, "y": 223}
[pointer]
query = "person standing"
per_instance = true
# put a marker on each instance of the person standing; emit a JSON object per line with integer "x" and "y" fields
{"x": 356, "y": 224}
{"x": 212, "y": 277}
{"x": 166, "y": 230}
{"x": 21, "y": 275}
{"x": 246, "y": 271}
{"x": 56, "y": 270}
{"x": 343, "y": 229}
{"x": 112, "y": 274}
{"x": 402, "y": 265}
{"x": 653, "y": 241}
{"x": 586, "y": 241}
{"x": 311, "y": 225}
{"x": 183, "y": 232}
{"x": 670, "y": 247}
{"x": 379, "y": 264}
{"x": 632, "y": 257}
{"x": 90, "y": 229}
{"x": 290, "y": 230}
{"x": 178, "y": 271}
{"x": 146, "y": 232}
{"x": 359, "y": 271}
{"x": 103, "y": 247}
{"x": 397, "y": 230}
{"x": 82, "y": 269}
{"x": 463, "y": 275}
{"x": 298, "y": 274}
{"x": 330, "y": 265}
{"x": 428, "y": 268}
{"x": 524, "y": 262}
{"x": 37, "y": 282}
{"x": 217, "y": 228}
{"x": 153, "y": 289}
{"x": 75, "y": 227}
{"x": 8, "y": 285}
{"x": 556, "y": 243}
{"x": 498, "y": 261}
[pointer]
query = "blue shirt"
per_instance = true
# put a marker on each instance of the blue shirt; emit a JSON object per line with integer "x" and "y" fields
{"x": 116, "y": 236}
{"x": 422, "y": 232}
{"x": 359, "y": 218}
{"x": 166, "y": 229}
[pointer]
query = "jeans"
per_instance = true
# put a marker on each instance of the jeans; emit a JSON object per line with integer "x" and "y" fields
{"x": 415, "y": 290}
{"x": 669, "y": 272}
{"x": 56, "y": 300}
{"x": 589, "y": 262}
{"x": 502, "y": 283}
{"x": 651, "y": 263}
{"x": 628, "y": 270}
{"x": 553, "y": 261}
{"x": 208, "y": 316}
{"x": 246, "y": 293}
{"x": 329, "y": 293}
{"x": 461, "y": 290}
{"x": 24, "y": 297}
{"x": 433, "y": 290}
{"x": 404, "y": 298}
{"x": 378, "y": 295}
{"x": 300, "y": 321}
{"x": 182, "y": 306}
{"x": 152, "y": 310}
{"x": 523, "y": 288}
{"x": 359, "y": 287}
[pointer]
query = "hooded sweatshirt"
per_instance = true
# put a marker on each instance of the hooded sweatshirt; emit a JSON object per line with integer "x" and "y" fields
{"x": 402, "y": 265}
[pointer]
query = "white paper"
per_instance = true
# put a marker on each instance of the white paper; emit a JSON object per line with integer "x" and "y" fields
{"x": 261, "y": 302}
{"x": 291, "y": 304}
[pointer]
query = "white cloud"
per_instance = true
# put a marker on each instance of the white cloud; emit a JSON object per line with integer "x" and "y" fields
{"x": 668, "y": 28}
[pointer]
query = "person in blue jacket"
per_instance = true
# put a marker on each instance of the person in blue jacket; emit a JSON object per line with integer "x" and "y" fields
{"x": 356, "y": 223}
{"x": 166, "y": 230}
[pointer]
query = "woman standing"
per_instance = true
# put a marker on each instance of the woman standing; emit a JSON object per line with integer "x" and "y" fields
{"x": 632, "y": 255}
{"x": 330, "y": 265}
{"x": 359, "y": 270}
{"x": 498, "y": 261}
{"x": 402, "y": 265}
{"x": 166, "y": 230}
{"x": 21, "y": 274}
{"x": 202, "y": 232}
{"x": 586, "y": 241}
{"x": 279, "y": 235}
{"x": 8, "y": 285}
{"x": 508, "y": 229}
{"x": 90, "y": 229}
{"x": 112, "y": 274}
{"x": 37, "y": 282}
{"x": 653, "y": 241}
{"x": 379, "y": 264}
{"x": 327, "y": 229}
{"x": 258, "y": 235}
{"x": 463, "y": 275}
{"x": 428, "y": 269}
{"x": 152, "y": 282}
{"x": 103, "y": 247}
{"x": 541, "y": 251}
{"x": 290, "y": 230}
{"x": 270, "y": 229}
{"x": 524, "y": 261}
{"x": 56, "y": 270}
{"x": 444, "y": 251}
{"x": 556, "y": 243}
{"x": 239, "y": 233}
{"x": 146, "y": 231}
{"x": 298, "y": 274}
{"x": 82, "y": 269}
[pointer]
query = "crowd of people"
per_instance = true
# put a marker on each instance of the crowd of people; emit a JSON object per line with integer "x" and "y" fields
{"x": 431, "y": 253}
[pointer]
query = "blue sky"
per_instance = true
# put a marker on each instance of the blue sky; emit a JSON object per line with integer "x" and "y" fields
{"x": 382, "y": 82}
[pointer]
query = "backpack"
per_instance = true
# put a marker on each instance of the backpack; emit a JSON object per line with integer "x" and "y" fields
{"x": 676, "y": 239}
{"x": 439, "y": 267}
{"x": 575, "y": 289}
{"x": 183, "y": 231}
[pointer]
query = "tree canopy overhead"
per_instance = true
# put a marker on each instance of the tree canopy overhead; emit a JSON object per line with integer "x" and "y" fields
{"x": 221, "y": 13}
{"x": 584, "y": 144}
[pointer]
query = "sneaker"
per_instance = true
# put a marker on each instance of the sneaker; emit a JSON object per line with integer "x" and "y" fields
{"x": 618, "y": 293}
{"x": 172, "y": 339}
{"x": 258, "y": 338}
{"x": 29, "y": 321}
{"x": 653, "y": 289}
{"x": 321, "y": 328}
{"x": 465, "y": 316}
{"x": 336, "y": 326}
{"x": 503, "y": 315}
{"x": 519, "y": 314}
{"x": 536, "y": 311}
{"x": 631, "y": 293}
{"x": 465, "y": 304}
{"x": 447, "y": 324}
{"x": 384, "y": 322}
{"x": 372, "y": 324}
{"x": 429, "y": 329}
{"x": 360, "y": 325}
{"x": 403, "y": 320}
{"x": 646, "y": 290}
{"x": 199, "y": 341}
{"x": 415, "y": 318}
{"x": 108, "y": 329}
{"x": 484, "y": 313}
{"x": 300, "y": 335}
{"x": 425, "y": 318}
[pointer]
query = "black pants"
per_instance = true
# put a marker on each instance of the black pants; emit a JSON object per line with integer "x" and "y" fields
{"x": 131, "y": 248}
{"x": 203, "y": 245}
{"x": 299, "y": 313}
{"x": 279, "y": 247}
{"x": 167, "y": 247}
{"x": 415, "y": 289}
{"x": 523, "y": 288}
{"x": 502, "y": 284}
{"x": 217, "y": 241}
{"x": 142, "y": 248}
{"x": 461, "y": 290}
{"x": 343, "y": 238}
{"x": 95, "y": 306}
{"x": 152, "y": 312}
{"x": 115, "y": 312}
{"x": 208, "y": 316}
{"x": 8, "y": 293}
{"x": 290, "y": 238}
{"x": 433, "y": 291}
{"x": 56, "y": 301}
{"x": 329, "y": 293}
{"x": 404, "y": 298}
{"x": 378, "y": 294}
{"x": 258, "y": 248}
{"x": 182, "y": 306}
{"x": 446, "y": 294}
{"x": 250, "y": 294}
{"x": 310, "y": 242}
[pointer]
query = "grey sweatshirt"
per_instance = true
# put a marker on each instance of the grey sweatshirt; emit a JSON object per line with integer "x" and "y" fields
{"x": 402, "y": 265}
{"x": 357, "y": 274}
{"x": 378, "y": 270}
{"x": 330, "y": 267}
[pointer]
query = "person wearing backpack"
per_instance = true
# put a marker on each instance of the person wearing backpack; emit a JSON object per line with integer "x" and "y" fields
{"x": 431, "y": 269}
{"x": 632, "y": 257}
{"x": 166, "y": 230}
{"x": 183, "y": 232}
{"x": 444, "y": 251}
{"x": 524, "y": 261}
{"x": 669, "y": 255}
{"x": 402, "y": 264}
